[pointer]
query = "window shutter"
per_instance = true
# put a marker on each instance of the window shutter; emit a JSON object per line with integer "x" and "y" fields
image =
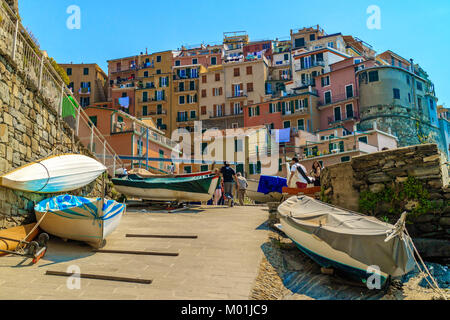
{"x": 296, "y": 104}
{"x": 283, "y": 108}
{"x": 249, "y": 111}
{"x": 330, "y": 147}
{"x": 305, "y": 104}
{"x": 220, "y": 91}
{"x": 341, "y": 146}
{"x": 257, "y": 110}
{"x": 279, "y": 106}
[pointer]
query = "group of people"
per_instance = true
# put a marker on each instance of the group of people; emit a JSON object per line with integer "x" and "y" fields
{"x": 224, "y": 189}
{"x": 299, "y": 172}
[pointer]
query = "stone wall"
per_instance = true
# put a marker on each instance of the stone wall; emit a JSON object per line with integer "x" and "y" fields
{"x": 413, "y": 179}
{"x": 29, "y": 130}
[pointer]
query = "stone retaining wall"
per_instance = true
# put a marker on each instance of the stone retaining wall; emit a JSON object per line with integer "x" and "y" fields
{"x": 29, "y": 130}
{"x": 413, "y": 179}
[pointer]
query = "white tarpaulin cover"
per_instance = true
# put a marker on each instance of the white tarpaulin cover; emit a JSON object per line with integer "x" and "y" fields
{"x": 361, "y": 237}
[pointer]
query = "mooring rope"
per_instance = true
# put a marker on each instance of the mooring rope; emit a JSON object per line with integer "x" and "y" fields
{"x": 434, "y": 286}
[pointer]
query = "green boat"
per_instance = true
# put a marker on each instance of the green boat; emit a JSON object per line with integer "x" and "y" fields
{"x": 176, "y": 189}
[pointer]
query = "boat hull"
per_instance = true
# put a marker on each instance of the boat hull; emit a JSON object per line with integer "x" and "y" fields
{"x": 54, "y": 174}
{"x": 345, "y": 240}
{"x": 81, "y": 223}
{"x": 252, "y": 193}
{"x": 174, "y": 191}
{"x": 327, "y": 257}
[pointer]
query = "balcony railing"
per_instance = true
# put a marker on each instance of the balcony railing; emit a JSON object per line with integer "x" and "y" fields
{"x": 349, "y": 117}
{"x": 239, "y": 94}
{"x": 118, "y": 70}
{"x": 151, "y": 99}
{"x": 213, "y": 115}
{"x": 186, "y": 76}
{"x": 186, "y": 119}
{"x": 84, "y": 91}
{"x": 187, "y": 89}
{"x": 312, "y": 65}
{"x": 145, "y": 65}
{"x": 152, "y": 113}
{"x": 336, "y": 99}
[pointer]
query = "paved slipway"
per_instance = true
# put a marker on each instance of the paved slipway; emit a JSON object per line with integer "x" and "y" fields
{"x": 222, "y": 263}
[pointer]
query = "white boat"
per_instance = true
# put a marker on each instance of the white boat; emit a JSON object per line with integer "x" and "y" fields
{"x": 54, "y": 174}
{"x": 345, "y": 240}
{"x": 78, "y": 218}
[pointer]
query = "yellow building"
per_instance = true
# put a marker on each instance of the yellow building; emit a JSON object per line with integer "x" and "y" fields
{"x": 153, "y": 95}
{"x": 185, "y": 96}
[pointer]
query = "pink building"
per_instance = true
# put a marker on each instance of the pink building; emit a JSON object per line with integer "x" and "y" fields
{"x": 203, "y": 55}
{"x": 338, "y": 93}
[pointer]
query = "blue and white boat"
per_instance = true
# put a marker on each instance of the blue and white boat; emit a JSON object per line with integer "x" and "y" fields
{"x": 347, "y": 241}
{"x": 78, "y": 218}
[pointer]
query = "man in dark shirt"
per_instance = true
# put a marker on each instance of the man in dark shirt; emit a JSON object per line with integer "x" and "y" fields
{"x": 229, "y": 179}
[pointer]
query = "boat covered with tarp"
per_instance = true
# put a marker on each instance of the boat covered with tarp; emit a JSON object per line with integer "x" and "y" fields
{"x": 266, "y": 189}
{"x": 174, "y": 189}
{"x": 78, "y": 218}
{"x": 346, "y": 240}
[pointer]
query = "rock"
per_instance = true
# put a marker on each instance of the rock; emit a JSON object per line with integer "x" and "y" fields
{"x": 445, "y": 221}
{"x": 427, "y": 227}
{"x": 379, "y": 177}
{"x": 432, "y": 158}
{"x": 425, "y": 171}
{"x": 377, "y": 187}
{"x": 401, "y": 179}
{"x": 425, "y": 218}
{"x": 4, "y": 133}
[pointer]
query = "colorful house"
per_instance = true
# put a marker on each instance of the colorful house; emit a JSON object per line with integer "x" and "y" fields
{"x": 133, "y": 140}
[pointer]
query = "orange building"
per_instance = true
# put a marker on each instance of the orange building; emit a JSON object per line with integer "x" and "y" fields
{"x": 129, "y": 137}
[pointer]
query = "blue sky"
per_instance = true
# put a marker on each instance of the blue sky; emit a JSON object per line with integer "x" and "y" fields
{"x": 112, "y": 29}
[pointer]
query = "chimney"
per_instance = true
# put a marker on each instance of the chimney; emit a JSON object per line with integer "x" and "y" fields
{"x": 412, "y": 65}
{"x": 14, "y": 4}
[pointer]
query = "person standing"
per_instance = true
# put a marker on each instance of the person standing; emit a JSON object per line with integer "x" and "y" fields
{"x": 316, "y": 170}
{"x": 299, "y": 170}
{"x": 172, "y": 168}
{"x": 218, "y": 191}
{"x": 242, "y": 187}
{"x": 229, "y": 179}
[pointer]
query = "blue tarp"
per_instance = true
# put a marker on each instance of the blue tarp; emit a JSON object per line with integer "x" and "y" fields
{"x": 269, "y": 184}
{"x": 283, "y": 135}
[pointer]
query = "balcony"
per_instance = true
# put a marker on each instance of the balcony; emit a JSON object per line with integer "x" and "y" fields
{"x": 299, "y": 111}
{"x": 351, "y": 117}
{"x": 152, "y": 113}
{"x": 186, "y": 119}
{"x": 119, "y": 70}
{"x": 312, "y": 65}
{"x": 213, "y": 115}
{"x": 146, "y": 65}
{"x": 239, "y": 94}
{"x": 147, "y": 86}
{"x": 304, "y": 84}
{"x": 151, "y": 99}
{"x": 339, "y": 98}
{"x": 189, "y": 89}
{"x": 84, "y": 91}
{"x": 186, "y": 76}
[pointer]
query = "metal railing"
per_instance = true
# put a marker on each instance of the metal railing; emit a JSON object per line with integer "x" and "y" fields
{"x": 16, "y": 43}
